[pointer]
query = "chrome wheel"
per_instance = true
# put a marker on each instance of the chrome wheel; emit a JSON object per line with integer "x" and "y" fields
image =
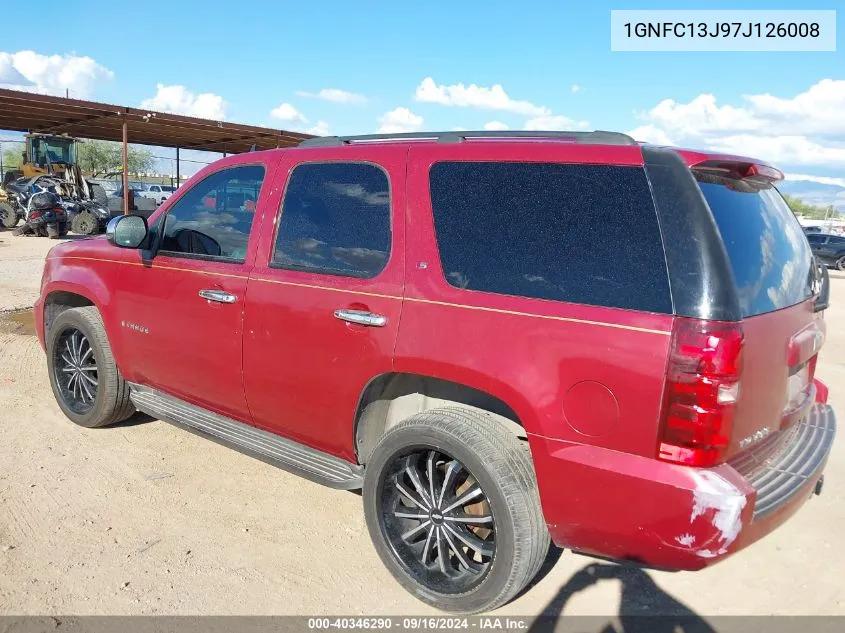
{"x": 438, "y": 521}
{"x": 75, "y": 370}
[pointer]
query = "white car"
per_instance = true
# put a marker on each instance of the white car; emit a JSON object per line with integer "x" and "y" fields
{"x": 159, "y": 193}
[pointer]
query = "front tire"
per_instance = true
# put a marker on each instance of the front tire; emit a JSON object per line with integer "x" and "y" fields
{"x": 8, "y": 216}
{"x": 451, "y": 504}
{"x": 87, "y": 385}
{"x": 840, "y": 263}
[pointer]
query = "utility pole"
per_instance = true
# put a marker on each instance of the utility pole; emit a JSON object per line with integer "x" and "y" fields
{"x": 125, "y": 168}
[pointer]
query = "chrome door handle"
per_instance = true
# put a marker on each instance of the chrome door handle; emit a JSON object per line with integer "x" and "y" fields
{"x": 218, "y": 295}
{"x": 361, "y": 317}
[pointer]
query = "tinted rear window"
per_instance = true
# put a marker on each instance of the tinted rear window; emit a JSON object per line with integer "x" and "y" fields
{"x": 769, "y": 253}
{"x": 578, "y": 233}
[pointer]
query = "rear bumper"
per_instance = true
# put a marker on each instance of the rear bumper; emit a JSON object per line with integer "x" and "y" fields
{"x": 675, "y": 517}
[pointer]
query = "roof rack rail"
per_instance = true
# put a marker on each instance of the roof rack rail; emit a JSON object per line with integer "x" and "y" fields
{"x": 597, "y": 137}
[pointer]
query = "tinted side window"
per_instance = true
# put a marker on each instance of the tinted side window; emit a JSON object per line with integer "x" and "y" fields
{"x": 770, "y": 257}
{"x": 579, "y": 233}
{"x": 214, "y": 218}
{"x": 815, "y": 238}
{"x": 335, "y": 220}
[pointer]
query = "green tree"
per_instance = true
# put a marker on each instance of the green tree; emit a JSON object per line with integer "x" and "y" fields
{"x": 12, "y": 157}
{"x": 809, "y": 211}
{"x": 106, "y": 157}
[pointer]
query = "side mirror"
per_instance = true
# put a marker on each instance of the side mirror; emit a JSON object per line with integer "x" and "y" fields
{"x": 127, "y": 231}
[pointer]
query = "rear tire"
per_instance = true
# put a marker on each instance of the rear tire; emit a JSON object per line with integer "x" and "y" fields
{"x": 840, "y": 263}
{"x": 501, "y": 535}
{"x": 84, "y": 223}
{"x": 8, "y": 216}
{"x": 77, "y": 346}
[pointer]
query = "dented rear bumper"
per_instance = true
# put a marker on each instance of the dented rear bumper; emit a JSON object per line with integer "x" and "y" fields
{"x": 675, "y": 517}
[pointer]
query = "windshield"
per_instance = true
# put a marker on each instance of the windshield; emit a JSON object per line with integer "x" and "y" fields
{"x": 769, "y": 253}
{"x": 52, "y": 150}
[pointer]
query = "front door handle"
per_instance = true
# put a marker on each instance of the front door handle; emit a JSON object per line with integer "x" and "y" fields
{"x": 361, "y": 317}
{"x": 218, "y": 295}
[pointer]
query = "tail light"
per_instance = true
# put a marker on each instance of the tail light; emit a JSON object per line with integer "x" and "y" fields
{"x": 34, "y": 215}
{"x": 702, "y": 388}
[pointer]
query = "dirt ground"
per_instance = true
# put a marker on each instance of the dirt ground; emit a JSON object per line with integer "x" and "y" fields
{"x": 145, "y": 518}
{"x": 20, "y": 268}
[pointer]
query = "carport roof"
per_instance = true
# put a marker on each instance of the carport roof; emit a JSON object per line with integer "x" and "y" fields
{"x": 28, "y": 112}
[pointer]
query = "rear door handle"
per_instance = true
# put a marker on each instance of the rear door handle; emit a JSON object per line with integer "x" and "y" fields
{"x": 218, "y": 295}
{"x": 361, "y": 317}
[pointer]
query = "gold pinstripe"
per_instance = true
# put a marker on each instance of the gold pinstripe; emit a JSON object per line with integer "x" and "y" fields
{"x": 541, "y": 316}
{"x": 362, "y": 293}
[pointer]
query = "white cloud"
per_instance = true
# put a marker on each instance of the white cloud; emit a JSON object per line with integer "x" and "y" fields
{"x": 650, "y": 134}
{"x": 296, "y": 120}
{"x": 474, "y": 96}
{"x": 179, "y": 100}
{"x": 320, "y": 129}
{"x": 793, "y": 150}
{"x": 286, "y": 112}
{"x": 805, "y": 129}
{"x": 399, "y": 119}
{"x": 700, "y": 116}
{"x": 818, "y": 110}
{"x": 495, "y": 126}
{"x": 575, "y": 88}
{"x": 11, "y": 76}
{"x": 336, "y": 95}
{"x": 554, "y": 122}
{"x": 822, "y": 180}
{"x": 52, "y": 74}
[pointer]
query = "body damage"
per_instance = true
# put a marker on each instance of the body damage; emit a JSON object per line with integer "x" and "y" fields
{"x": 718, "y": 501}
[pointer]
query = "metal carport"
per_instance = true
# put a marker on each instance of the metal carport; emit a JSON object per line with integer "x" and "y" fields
{"x": 29, "y": 112}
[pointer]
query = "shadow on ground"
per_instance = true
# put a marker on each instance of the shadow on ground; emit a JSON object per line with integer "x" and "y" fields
{"x": 643, "y": 607}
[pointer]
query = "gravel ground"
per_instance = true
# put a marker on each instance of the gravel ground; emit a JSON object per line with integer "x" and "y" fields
{"x": 144, "y": 518}
{"x": 20, "y": 268}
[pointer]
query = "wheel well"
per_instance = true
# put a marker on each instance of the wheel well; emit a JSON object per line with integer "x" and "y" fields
{"x": 390, "y": 398}
{"x": 58, "y": 302}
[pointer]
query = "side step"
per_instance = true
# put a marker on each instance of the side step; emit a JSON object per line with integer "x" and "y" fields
{"x": 297, "y": 458}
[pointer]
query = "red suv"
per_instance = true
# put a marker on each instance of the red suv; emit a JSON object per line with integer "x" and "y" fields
{"x": 502, "y": 338}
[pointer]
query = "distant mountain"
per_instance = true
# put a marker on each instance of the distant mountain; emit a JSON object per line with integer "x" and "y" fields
{"x": 822, "y": 194}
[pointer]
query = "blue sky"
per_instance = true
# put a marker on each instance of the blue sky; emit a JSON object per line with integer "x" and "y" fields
{"x": 413, "y": 64}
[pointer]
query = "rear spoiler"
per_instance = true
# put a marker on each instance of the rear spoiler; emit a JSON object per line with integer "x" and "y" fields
{"x": 747, "y": 170}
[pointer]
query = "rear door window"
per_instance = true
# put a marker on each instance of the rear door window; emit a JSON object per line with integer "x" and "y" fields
{"x": 770, "y": 255}
{"x": 564, "y": 232}
{"x": 335, "y": 220}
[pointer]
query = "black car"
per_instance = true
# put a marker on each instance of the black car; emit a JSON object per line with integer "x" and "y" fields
{"x": 829, "y": 249}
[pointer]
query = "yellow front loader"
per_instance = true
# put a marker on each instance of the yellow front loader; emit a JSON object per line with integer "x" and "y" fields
{"x": 49, "y": 162}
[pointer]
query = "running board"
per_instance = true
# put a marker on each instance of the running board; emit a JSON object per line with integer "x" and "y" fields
{"x": 297, "y": 458}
